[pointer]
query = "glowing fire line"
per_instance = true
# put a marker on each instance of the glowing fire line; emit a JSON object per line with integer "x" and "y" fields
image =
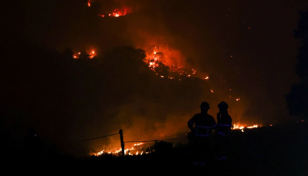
{"x": 242, "y": 127}
{"x": 127, "y": 151}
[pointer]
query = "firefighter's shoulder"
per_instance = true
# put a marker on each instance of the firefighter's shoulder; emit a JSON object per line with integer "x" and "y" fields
{"x": 193, "y": 119}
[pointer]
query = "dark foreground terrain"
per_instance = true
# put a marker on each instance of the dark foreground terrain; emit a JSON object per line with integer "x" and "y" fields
{"x": 278, "y": 150}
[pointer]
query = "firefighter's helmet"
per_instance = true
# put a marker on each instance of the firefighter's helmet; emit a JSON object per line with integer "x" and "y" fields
{"x": 223, "y": 105}
{"x": 205, "y": 105}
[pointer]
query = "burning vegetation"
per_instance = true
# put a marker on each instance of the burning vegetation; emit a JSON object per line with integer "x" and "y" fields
{"x": 136, "y": 149}
{"x": 118, "y": 12}
{"x": 157, "y": 61}
{"x": 162, "y": 65}
{"x": 114, "y": 10}
{"x": 167, "y": 64}
{"x": 84, "y": 55}
{"x": 140, "y": 149}
{"x": 243, "y": 127}
{"x": 89, "y": 3}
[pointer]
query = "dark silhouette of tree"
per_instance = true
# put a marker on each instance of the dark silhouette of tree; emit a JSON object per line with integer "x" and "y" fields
{"x": 298, "y": 97}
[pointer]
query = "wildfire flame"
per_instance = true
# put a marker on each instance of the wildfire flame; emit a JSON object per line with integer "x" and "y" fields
{"x": 157, "y": 60}
{"x": 135, "y": 150}
{"x": 118, "y": 12}
{"x": 89, "y": 3}
{"x": 242, "y": 127}
{"x": 90, "y": 55}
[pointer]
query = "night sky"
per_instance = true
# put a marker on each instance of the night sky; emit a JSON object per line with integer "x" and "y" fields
{"x": 247, "y": 47}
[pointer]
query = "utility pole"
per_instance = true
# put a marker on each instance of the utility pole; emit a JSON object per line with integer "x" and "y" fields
{"x": 122, "y": 141}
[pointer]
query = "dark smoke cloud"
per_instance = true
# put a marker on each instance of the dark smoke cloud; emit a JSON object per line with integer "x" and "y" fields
{"x": 75, "y": 99}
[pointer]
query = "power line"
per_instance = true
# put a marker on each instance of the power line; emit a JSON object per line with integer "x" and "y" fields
{"x": 156, "y": 140}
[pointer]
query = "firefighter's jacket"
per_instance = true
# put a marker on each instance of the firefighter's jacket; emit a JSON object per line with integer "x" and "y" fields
{"x": 224, "y": 123}
{"x": 204, "y": 123}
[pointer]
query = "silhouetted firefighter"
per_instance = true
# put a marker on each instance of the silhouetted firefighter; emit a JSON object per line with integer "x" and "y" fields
{"x": 224, "y": 124}
{"x": 201, "y": 125}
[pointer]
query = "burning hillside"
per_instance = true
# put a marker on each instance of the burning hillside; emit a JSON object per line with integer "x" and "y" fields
{"x": 110, "y": 91}
{"x": 164, "y": 60}
{"x": 142, "y": 149}
{"x": 165, "y": 66}
{"x": 136, "y": 149}
{"x": 116, "y": 12}
{"x": 243, "y": 127}
{"x": 154, "y": 101}
{"x": 114, "y": 9}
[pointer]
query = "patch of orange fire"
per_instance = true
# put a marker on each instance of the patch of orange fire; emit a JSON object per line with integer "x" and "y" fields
{"x": 242, "y": 127}
{"x": 155, "y": 60}
{"x": 89, "y": 3}
{"x": 89, "y": 55}
{"x": 127, "y": 151}
{"x": 118, "y": 12}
